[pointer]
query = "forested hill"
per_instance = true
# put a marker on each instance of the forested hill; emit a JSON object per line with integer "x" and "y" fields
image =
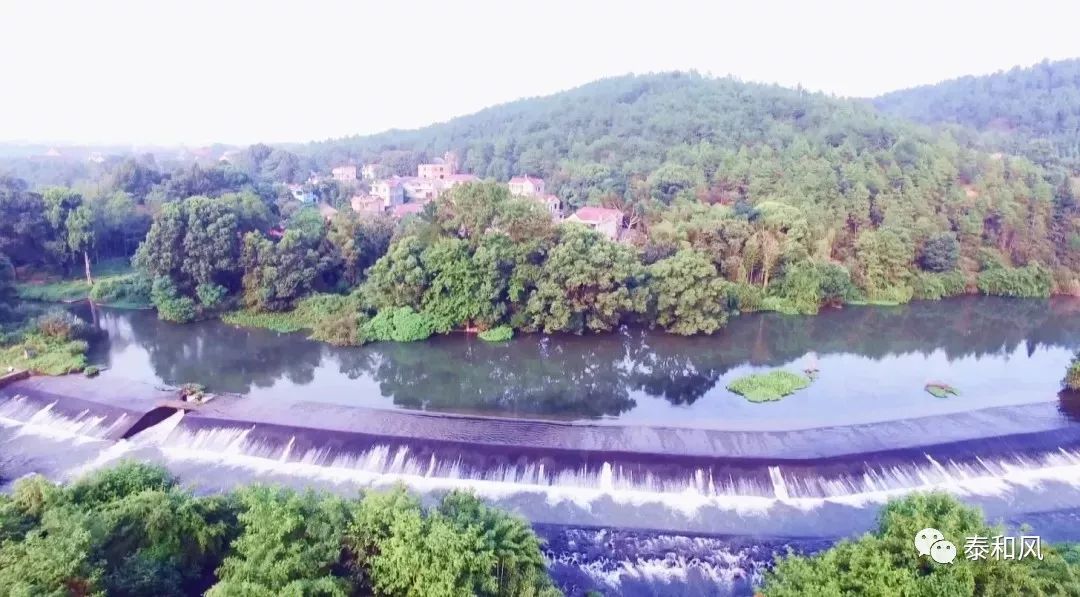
{"x": 648, "y": 135}
{"x": 1033, "y": 111}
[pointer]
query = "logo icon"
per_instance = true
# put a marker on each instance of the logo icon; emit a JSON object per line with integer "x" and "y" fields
{"x": 943, "y": 552}
{"x": 930, "y": 542}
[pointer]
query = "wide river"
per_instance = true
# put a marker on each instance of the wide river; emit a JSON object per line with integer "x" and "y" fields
{"x": 873, "y": 364}
{"x": 646, "y": 474}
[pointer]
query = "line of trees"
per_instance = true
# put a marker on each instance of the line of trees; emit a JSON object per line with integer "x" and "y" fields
{"x": 132, "y": 530}
{"x": 738, "y": 197}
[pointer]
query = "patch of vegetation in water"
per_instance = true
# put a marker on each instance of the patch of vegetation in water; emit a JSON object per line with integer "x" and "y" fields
{"x": 941, "y": 390}
{"x": 284, "y": 322}
{"x": 768, "y": 387}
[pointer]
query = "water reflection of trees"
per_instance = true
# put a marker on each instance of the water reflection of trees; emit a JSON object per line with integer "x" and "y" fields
{"x": 594, "y": 376}
{"x": 580, "y": 377}
{"x": 224, "y": 358}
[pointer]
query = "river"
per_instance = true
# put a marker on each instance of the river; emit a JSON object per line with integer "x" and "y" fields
{"x": 642, "y": 470}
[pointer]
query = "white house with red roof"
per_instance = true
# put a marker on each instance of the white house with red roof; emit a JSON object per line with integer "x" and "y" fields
{"x": 601, "y": 219}
{"x": 526, "y": 186}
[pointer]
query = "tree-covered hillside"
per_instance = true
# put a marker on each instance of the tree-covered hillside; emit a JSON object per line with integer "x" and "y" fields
{"x": 1032, "y": 111}
{"x": 737, "y": 197}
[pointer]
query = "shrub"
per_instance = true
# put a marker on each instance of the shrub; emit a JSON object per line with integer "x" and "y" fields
{"x": 133, "y": 291}
{"x": 398, "y": 325}
{"x": 62, "y": 325}
{"x": 767, "y": 387}
{"x": 211, "y": 295}
{"x": 940, "y": 253}
{"x": 170, "y": 305}
{"x": 744, "y": 298}
{"x": 501, "y": 333}
{"x": 1030, "y": 281}
{"x": 1072, "y": 374}
{"x": 930, "y": 286}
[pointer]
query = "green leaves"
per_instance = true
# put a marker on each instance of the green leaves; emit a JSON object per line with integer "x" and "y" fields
{"x": 885, "y": 562}
{"x": 690, "y": 297}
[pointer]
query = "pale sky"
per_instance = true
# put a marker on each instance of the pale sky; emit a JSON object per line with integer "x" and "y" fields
{"x": 196, "y": 71}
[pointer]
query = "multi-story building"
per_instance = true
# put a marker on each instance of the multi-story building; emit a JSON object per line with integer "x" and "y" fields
{"x": 344, "y": 173}
{"x": 422, "y": 189}
{"x": 526, "y": 186}
{"x": 440, "y": 169}
{"x": 367, "y": 204}
{"x": 391, "y": 191}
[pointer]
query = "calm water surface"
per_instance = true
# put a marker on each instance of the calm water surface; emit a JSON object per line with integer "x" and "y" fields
{"x": 873, "y": 363}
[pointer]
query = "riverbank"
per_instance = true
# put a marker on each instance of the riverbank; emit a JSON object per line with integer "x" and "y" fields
{"x": 115, "y": 285}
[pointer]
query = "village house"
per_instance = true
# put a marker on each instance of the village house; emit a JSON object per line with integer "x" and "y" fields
{"x": 526, "y": 186}
{"x": 400, "y": 211}
{"x": 367, "y": 204}
{"x": 458, "y": 179}
{"x": 421, "y": 189}
{"x": 601, "y": 219}
{"x": 390, "y": 191}
{"x": 552, "y": 204}
{"x": 440, "y": 168}
{"x": 344, "y": 174}
{"x": 372, "y": 171}
{"x": 300, "y": 194}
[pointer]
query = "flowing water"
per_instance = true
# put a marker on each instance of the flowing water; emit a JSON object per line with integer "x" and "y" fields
{"x": 643, "y": 472}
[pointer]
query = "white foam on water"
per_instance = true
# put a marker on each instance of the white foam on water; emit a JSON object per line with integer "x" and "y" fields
{"x": 30, "y": 418}
{"x": 383, "y": 465}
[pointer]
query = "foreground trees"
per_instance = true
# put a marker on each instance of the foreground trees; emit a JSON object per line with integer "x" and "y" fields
{"x": 885, "y": 562}
{"x": 132, "y": 530}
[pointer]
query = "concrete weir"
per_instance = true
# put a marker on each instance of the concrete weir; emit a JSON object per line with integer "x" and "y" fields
{"x": 118, "y": 410}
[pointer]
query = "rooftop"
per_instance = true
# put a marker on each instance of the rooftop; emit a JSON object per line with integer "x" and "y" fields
{"x": 597, "y": 214}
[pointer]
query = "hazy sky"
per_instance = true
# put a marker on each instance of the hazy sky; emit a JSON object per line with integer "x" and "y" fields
{"x": 196, "y": 71}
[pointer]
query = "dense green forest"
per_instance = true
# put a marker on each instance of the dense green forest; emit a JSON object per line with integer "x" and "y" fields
{"x": 737, "y": 197}
{"x": 1027, "y": 111}
{"x": 132, "y": 530}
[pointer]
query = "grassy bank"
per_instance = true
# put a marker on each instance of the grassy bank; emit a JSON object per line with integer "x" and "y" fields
{"x": 52, "y": 344}
{"x": 44, "y": 355}
{"x": 115, "y": 285}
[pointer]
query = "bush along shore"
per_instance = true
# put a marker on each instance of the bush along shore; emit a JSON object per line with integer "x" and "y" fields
{"x": 133, "y": 530}
{"x": 479, "y": 259}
